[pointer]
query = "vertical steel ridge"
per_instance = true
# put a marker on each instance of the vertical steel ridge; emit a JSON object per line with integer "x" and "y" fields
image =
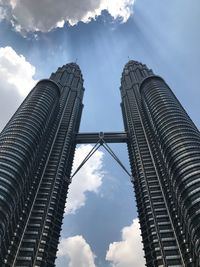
{"x": 164, "y": 155}
{"x": 36, "y": 154}
{"x": 179, "y": 139}
{"x": 19, "y": 144}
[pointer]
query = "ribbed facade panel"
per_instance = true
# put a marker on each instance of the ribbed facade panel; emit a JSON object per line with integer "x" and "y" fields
{"x": 19, "y": 144}
{"x": 39, "y": 144}
{"x": 163, "y": 145}
{"x": 179, "y": 140}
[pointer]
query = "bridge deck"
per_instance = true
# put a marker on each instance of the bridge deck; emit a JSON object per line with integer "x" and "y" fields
{"x": 107, "y": 137}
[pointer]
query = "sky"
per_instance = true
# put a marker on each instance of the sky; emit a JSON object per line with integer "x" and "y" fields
{"x": 100, "y": 226}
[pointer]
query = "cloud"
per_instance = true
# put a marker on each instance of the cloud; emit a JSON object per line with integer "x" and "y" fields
{"x": 122, "y": 9}
{"x": 88, "y": 179}
{"x": 128, "y": 252}
{"x": 16, "y": 79}
{"x": 77, "y": 251}
{"x": 44, "y": 15}
{"x": 16, "y": 71}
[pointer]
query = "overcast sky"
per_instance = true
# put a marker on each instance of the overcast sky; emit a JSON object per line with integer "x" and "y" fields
{"x": 100, "y": 227}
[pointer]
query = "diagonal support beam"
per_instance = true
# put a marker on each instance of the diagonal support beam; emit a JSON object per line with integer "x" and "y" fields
{"x": 100, "y": 140}
{"x": 89, "y": 155}
{"x": 112, "y": 153}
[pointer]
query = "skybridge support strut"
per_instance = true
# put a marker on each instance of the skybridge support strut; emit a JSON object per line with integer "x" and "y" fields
{"x": 101, "y": 139}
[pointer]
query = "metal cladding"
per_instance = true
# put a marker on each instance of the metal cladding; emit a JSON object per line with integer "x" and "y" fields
{"x": 36, "y": 154}
{"x": 164, "y": 152}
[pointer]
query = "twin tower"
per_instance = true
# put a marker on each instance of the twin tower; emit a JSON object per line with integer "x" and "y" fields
{"x": 36, "y": 154}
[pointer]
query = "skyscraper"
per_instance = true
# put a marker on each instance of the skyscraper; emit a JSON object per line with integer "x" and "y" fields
{"x": 164, "y": 152}
{"x": 36, "y": 153}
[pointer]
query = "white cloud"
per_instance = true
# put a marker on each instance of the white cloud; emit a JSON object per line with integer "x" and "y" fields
{"x": 16, "y": 79}
{"x": 77, "y": 251}
{"x": 88, "y": 179}
{"x": 44, "y": 15}
{"x": 122, "y": 9}
{"x": 128, "y": 252}
{"x": 16, "y": 71}
{"x": 2, "y": 13}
